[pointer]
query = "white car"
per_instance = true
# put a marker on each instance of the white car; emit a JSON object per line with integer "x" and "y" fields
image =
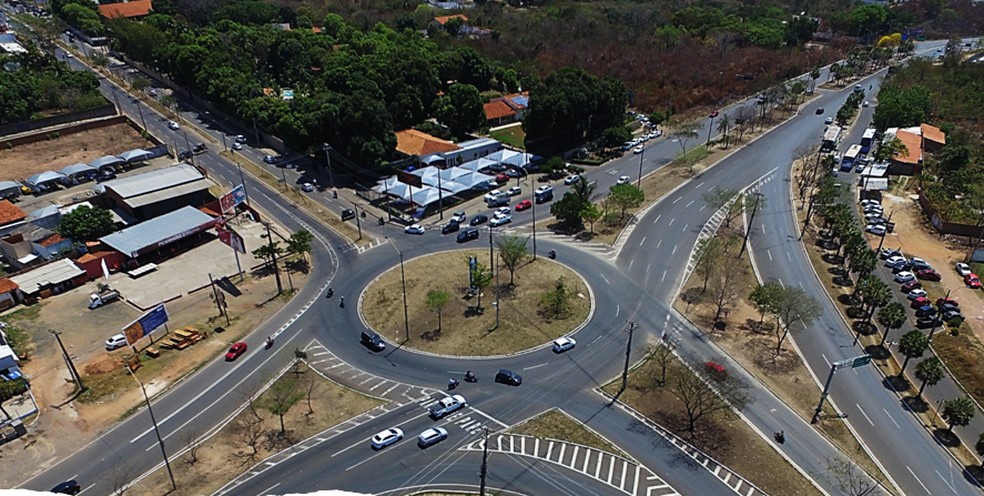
{"x": 637, "y": 150}
{"x": 240, "y": 138}
{"x": 864, "y": 103}
{"x": 447, "y": 405}
{"x": 868, "y": 202}
{"x": 963, "y": 269}
{"x": 499, "y": 212}
{"x": 414, "y": 229}
{"x": 307, "y": 187}
{"x": 874, "y": 209}
{"x": 876, "y": 229}
{"x": 623, "y": 180}
{"x": 173, "y": 125}
{"x": 572, "y": 179}
{"x": 500, "y": 220}
{"x": 387, "y": 437}
{"x": 904, "y": 276}
{"x": 459, "y": 217}
{"x": 916, "y": 293}
{"x": 492, "y": 195}
{"x": 237, "y": 146}
{"x": 116, "y": 341}
{"x": 828, "y": 120}
{"x": 561, "y": 345}
{"x": 515, "y": 190}
{"x": 432, "y": 436}
{"x": 894, "y": 259}
{"x": 542, "y": 190}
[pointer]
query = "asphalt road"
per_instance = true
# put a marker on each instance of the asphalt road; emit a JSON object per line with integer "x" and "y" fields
{"x": 551, "y": 380}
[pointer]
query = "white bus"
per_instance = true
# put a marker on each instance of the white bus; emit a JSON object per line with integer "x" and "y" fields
{"x": 847, "y": 162}
{"x": 867, "y": 139}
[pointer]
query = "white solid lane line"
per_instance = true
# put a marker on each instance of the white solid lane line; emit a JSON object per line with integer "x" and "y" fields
{"x": 865, "y": 414}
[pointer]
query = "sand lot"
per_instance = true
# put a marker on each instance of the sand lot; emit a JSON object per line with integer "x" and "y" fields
{"x": 20, "y": 162}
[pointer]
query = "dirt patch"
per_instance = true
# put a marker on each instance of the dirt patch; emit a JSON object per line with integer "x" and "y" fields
{"x": 463, "y": 330}
{"x": 555, "y": 424}
{"x": 255, "y": 433}
{"x": 20, "y": 162}
{"x": 722, "y": 435}
{"x": 64, "y": 423}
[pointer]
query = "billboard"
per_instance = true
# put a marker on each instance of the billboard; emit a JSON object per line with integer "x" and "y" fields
{"x": 230, "y": 200}
{"x": 145, "y": 324}
{"x": 230, "y": 237}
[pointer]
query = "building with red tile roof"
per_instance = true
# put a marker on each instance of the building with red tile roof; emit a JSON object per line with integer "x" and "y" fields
{"x": 10, "y": 214}
{"x": 129, "y": 10}
{"x": 933, "y": 137}
{"x": 442, "y": 20}
{"x": 506, "y": 109}
{"x": 412, "y": 142}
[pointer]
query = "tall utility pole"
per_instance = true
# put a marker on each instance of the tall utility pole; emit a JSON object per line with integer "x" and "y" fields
{"x": 358, "y": 223}
{"x": 68, "y": 360}
{"x": 273, "y": 256}
{"x": 485, "y": 461}
{"x": 331, "y": 177}
{"x": 497, "y": 287}
{"x": 157, "y": 431}
{"x": 628, "y": 350}
{"x": 639, "y": 179}
{"x": 757, "y": 200}
{"x": 534, "y": 225}
{"x": 882, "y": 240}
{"x": 403, "y": 279}
{"x": 491, "y": 256}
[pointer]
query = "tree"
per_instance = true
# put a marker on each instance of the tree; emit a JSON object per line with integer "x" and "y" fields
{"x": 626, "y": 196}
{"x": 877, "y": 295}
{"x": 724, "y": 125}
{"x": 700, "y": 399}
{"x": 436, "y": 299}
{"x": 725, "y": 289}
{"x": 590, "y": 214}
{"x": 814, "y": 76}
{"x": 281, "y": 397}
{"x": 481, "y": 277}
{"x": 766, "y": 297}
{"x": 684, "y": 132}
{"x": 891, "y": 317}
{"x": 930, "y": 371}
{"x": 299, "y": 243}
{"x": 662, "y": 355}
{"x": 268, "y": 252}
{"x": 461, "y": 110}
{"x": 864, "y": 261}
{"x": 139, "y": 84}
{"x": 556, "y": 303}
{"x": 708, "y": 258}
{"x": 958, "y": 412}
{"x": 568, "y": 209}
{"x": 615, "y": 136}
{"x": 571, "y": 106}
{"x": 913, "y": 344}
{"x": 849, "y": 479}
{"x": 717, "y": 198}
{"x": 795, "y": 306}
{"x": 512, "y": 253}
{"x": 86, "y": 224}
{"x": 901, "y": 107}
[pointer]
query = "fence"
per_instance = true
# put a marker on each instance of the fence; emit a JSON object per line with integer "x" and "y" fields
{"x": 26, "y": 126}
{"x": 943, "y": 227}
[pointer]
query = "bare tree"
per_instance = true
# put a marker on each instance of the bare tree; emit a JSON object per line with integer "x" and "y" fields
{"x": 662, "y": 355}
{"x": 743, "y": 120}
{"x": 851, "y": 480}
{"x": 311, "y": 380}
{"x": 709, "y": 257}
{"x": 700, "y": 399}
{"x": 719, "y": 197}
{"x": 281, "y": 397}
{"x": 249, "y": 431}
{"x": 189, "y": 436}
{"x": 794, "y": 307}
{"x": 725, "y": 289}
{"x": 123, "y": 474}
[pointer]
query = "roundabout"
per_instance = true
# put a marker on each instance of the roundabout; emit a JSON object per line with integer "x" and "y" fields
{"x": 447, "y": 314}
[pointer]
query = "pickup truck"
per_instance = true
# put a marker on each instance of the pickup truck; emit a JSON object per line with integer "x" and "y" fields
{"x": 101, "y": 298}
{"x": 446, "y": 405}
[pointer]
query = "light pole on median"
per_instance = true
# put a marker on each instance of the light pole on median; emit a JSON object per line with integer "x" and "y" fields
{"x": 639, "y": 179}
{"x": 403, "y": 280}
{"x": 157, "y": 430}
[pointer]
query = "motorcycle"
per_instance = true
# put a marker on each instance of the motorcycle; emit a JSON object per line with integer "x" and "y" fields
{"x": 552, "y": 254}
{"x": 470, "y": 377}
{"x": 780, "y": 437}
{"x": 330, "y": 293}
{"x": 341, "y": 301}
{"x": 452, "y": 383}
{"x": 269, "y": 343}
{"x": 382, "y": 222}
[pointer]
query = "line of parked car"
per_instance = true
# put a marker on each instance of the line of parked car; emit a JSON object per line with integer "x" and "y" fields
{"x": 502, "y": 215}
{"x": 910, "y": 272}
{"x": 875, "y": 222}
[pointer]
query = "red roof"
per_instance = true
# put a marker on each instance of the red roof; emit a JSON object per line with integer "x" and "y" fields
{"x": 134, "y": 8}
{"x": 6, "y": 285}
{"x": 444, "y": 19}
{"x": 497, "y": 109}
{"x": 933, "y": 133}
{"x": 413, "y": 142}
{"x": 52, "y": 240}
{"x": 913, "y": 148}
{"x": 9, "y": 213}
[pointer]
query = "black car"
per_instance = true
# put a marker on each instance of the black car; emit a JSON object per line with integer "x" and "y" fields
{"x": 479, "y": 219}
{"x": 105, "y": 175}
{"x": 925, "y": 311}
{"x": 199, "y": 149}
{"x": 820, "y": 110}
{"x": 450, "y": 227}
{"x": 506, "y": 376}
{"x": 347, "y": 214}
{"x": 372, "y": 341}
{"x": 67, "y": 487}
{"x": 928, "y": 322}
{"x": 948, "y": 307}
{"x": 951, "y": 315}
{"x": 468, "y": 235}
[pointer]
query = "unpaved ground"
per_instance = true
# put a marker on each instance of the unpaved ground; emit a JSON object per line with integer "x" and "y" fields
{"x": 23, "y": 161}
{"x": 63, "y": 425}
{"x": 463, "y": 331}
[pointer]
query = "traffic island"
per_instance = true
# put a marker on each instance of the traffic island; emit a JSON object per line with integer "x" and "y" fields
{"x": 454, "y": 306}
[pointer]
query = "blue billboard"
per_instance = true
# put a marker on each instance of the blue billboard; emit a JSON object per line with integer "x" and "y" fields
{"x": 146, "y": 324}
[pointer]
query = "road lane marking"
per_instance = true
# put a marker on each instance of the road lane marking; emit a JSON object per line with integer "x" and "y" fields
{"x": 643, "y": 241}
{"x": 769, "y": 253}
{"x": 649, "y": 267}
{"x": 949, "y": 483}
{"x": 865, "y": 414}
{"x": 789, "y": 257}
{"x": 657, "y": 218}
{"x": 674, "y": 250}
{"x": 671, "y": 221}
{"x": 689, "y": 204}
{"x": 606, "y": 279}
{"x": 917, "y": 480}
{"x": 618, "y": 308}
{"x": 661, "y": 279}
{"x": 897, "y": 426}
{"x": 535, "y": 366}
{"x": 658, "y": 242}
{"x": 678, "y": 199}
{"x": 699, "y": 185}
{"x": 685, "y": 228}
{"x": 630, "y": 263}
{"x": 702, "y": 207}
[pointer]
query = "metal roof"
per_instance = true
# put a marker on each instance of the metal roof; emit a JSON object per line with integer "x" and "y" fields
{"x": 173, "y": 225}
{"x": 157, "y": 180}
{"x": 101, "y": 162}
{"x": 151, "y": 198}
{"x": 77, "y": 168}
{"x": 45, "y": 177}
{"x": 135, "y": 155}
{"x": 56, "y": 272}
{"x": 5, "y": 185}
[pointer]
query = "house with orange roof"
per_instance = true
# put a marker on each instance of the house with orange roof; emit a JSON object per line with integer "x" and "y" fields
{"x": 442, "y": 20}
{"x": 133, "y": 9}
{"x": 933, "y": 138}
{"x": 916, "y": 141}
{"x": 506, "y": 109}
{"x": 11, "y": 217}
{"x": 411, "y": 142}
{"x": 7, "y": 291}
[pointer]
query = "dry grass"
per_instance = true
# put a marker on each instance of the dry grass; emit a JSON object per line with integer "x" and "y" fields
{"x": 226, "y": 454}
{"x": 555, "y": 424}
{"x": 723, "y": 435}
{"x": 464, "y": 331}
{"x": 22, "y": 161}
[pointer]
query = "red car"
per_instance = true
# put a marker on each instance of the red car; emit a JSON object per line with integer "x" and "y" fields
{"x": 909, "y": 286}
{"x": 236, "y": 350}
{"x": 919, "y": 302}
{"x": 946, "y": 301}
{"x": 972, "y": 281}
{"x": 523, "y": 205}
{"x": 713, "y": 114}
{"x": 928, "y": 275}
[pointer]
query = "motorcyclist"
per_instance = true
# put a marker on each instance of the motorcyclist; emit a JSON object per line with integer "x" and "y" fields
{"x": 452, "y": 383}
{"x": 552, "y": 254}
{"x": 469, "y": 376}
{"x": 341, "y": 301}
{"x": 269, "y": 341}
{"x": 331, "y": 292}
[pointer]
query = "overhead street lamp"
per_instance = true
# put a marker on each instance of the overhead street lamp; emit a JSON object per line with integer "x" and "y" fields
{"x": 157, "y": 430}
{"x": 403, "y": 280}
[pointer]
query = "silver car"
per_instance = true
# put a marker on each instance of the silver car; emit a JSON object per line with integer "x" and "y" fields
{"x": 387, "y": 437}
{"x": 431, "y": 436}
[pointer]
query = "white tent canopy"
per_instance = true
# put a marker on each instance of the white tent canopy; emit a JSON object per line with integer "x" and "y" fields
{"x": 477, "y": 164}
{"x": 45, "y": 177}
{"x": 134, "y": 155}
{"x": 425, "y": 196}
{"x": 73, "y": 169}
{"x": 107, "y": 161}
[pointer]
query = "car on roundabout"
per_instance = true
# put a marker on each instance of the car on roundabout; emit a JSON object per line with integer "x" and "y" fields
{"x": 446, "y": 406}
{"x": 467, "y": 235}
{"x": 414, "y": 229}
{"x": 386, "y": 437}
{"x": 459, "y": 217}
{"x": 623, "y": 180}
{"x": 569, "y": 180}
{"x": 450, "y": 227}
{"x": 500, "y": 220}
{"x": 563, "y": 344}
{"x": 479, "y": 219}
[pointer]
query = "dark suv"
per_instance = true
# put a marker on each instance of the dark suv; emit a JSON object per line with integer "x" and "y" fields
{"x": 450, "y": 227}
{"x": 372, "y": 341}
{"x": 468, "y": 235}
{"x": 509, "y": 377}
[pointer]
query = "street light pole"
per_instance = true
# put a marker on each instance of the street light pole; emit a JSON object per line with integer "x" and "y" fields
{"x": 358, "y": 223}
{"x": 628, "y": 350}
{"x": 157, "y": 430}
{"x": 751, "y": 219}
{"x": 406, "y": 314}
{"x": 331, "y": 177}
{"x": 68, "y": 359}
{"x": 491, "y": 256}
{"x": 639, "y": 179}
{"x": 710, "y": 129}
{"x": 273, "y": 256}
{"x": 882, "y": 242}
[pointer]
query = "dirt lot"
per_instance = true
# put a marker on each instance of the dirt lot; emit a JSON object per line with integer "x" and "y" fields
{"x": 23, "y": 161}
{"x": 465, "y": 332}
{"x": 64, "y": 424}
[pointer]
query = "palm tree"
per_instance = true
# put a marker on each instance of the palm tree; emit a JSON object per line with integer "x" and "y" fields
{"x": 892, "y": 317}
{"x": 958, "y": 412}
{"x": 913, "y": 344}
{"x": 929, "y": 371}
{"x": 723, "y": 126}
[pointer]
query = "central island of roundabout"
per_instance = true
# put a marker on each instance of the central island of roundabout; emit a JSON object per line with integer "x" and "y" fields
{"x": 459, "y": 304}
